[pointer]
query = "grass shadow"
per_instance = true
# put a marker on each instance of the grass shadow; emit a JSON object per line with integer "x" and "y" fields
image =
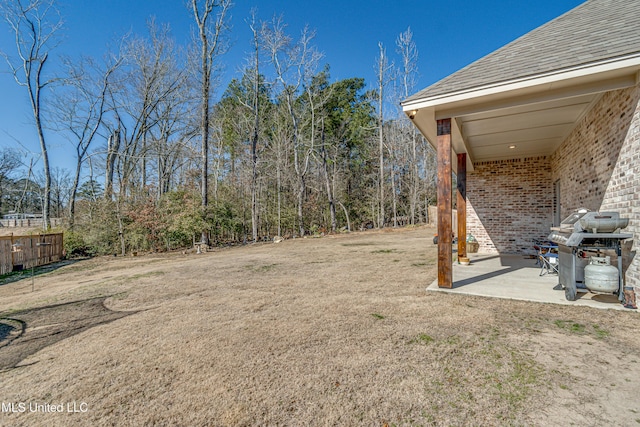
{"x": 16, "y": 276}
{"x": 44, "y": 326}
{"x": 8, "y": 330}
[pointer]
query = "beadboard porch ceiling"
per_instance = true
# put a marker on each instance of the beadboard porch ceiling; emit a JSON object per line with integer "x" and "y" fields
{"x": 522, "y": 131}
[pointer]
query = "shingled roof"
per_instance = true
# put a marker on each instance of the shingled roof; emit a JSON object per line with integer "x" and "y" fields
{"x": 596, "y": 31}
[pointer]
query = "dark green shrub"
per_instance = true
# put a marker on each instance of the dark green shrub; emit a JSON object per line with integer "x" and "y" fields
{"x": 75, "y": 245}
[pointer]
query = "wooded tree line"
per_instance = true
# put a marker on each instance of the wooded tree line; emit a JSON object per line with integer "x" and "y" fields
{"x": 284, "y": 150}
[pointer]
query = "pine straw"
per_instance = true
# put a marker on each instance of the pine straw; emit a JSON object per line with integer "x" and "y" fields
{"x": 331, "y": 331}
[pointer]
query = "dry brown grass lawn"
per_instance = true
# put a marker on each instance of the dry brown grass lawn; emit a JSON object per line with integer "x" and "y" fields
{"x": 19, "y": 231}
{"x": 331, "y": 331}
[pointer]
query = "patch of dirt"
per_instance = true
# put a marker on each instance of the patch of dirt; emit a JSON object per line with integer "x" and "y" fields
{"x": 337, "y": 330}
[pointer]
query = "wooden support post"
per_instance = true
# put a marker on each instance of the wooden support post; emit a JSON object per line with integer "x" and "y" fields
{"x": 445, "y": 268}
{"x": 462, "y": 205}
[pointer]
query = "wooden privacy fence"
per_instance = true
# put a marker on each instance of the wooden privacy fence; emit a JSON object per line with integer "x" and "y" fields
{"x": 23, "y": 252}
{"x": 433, "y": 217}
{"x": 29, "y": 222}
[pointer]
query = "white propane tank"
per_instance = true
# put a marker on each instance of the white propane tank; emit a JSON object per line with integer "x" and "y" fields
{"x": 600, "y": 275}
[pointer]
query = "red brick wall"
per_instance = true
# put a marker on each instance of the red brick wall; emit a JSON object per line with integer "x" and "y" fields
{"x": 599, "y": 166}
{"x": 509, "y": 203}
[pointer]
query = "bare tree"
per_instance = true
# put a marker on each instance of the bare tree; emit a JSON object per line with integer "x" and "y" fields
{"x": 60, "y": 191}
{"x": 152, "y": 83}
{"x": 29, "y": 193}
{"x": 396, "y": 163}
{"x": 211, "y": 20}
{"x": 146, "y": 105}
{"x": 327, "y": 179}
{"x": 256, "y": 121}
{"x": 9, "y": 164}
{"x": 246, "y": 96}
{"x": 162, "y": 109}
{"x": 383, "y": 68}
{"x": 281, "y": 133}
{"x": 79, "y": 108}
{"x": 294, "y": 65}
{"x": 113, "y": 147}
{"x": 34, "y": 24}
{"x": 408, "y": 51}
{"x": 167, "y": 140}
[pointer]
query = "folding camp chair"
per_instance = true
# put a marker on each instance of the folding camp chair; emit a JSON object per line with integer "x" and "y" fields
{"x": 548, "y": 260}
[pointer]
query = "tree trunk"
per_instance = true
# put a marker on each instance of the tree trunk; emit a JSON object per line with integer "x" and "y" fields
{"x": 254, "y": 188}
{"x": 46, "y": 207}
{"x": 209, "y": 39}
{"x": 254, "y": 140}
{"x": 415, "y": 177}
{"x": 74, "y": 191}
{"x": 161, "y": 178}
{"x": 301, "y": 190}
{"x": 113, "y": 147}
{"x": 143, "y": 178}
{"x": 204, "y": 134}
{"x": 346, "y": 214}
{"x": 33, "y": 30}
{"x": 381, "y": 73}
{"x": 325, "y": 167}
{"x": 394, "y": 196}
{"x": 279, "y": 195}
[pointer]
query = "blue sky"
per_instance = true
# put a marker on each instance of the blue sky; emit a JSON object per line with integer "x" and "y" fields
{"x": 449, "y": 35}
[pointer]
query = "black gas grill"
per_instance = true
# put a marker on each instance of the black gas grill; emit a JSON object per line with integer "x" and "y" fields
{"x": 584, "y": 233}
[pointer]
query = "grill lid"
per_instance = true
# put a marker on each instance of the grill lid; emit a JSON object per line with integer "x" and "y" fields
{"x": 603, "y": 223}
{"x": 571, "y": 220}
{"x": 585, "y": 227}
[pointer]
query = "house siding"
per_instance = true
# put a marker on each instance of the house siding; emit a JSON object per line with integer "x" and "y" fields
{"x": 509, "y": 203}
{"x": 598, "y": 166}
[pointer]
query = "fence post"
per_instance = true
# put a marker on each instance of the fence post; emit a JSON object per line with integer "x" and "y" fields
{"x": 12, "y": 254}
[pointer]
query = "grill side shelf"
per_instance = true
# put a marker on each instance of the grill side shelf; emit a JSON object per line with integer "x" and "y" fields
{"x": 591, "y": 239}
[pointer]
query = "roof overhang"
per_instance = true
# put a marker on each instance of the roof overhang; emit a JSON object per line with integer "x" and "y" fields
{"x": 525, "y": 117}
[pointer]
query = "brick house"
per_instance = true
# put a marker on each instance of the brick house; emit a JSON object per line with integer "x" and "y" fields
{"x": 542, "y": 126}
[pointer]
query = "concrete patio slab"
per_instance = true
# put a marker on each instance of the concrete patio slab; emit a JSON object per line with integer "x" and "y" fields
{"x": 516, "y": 277}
